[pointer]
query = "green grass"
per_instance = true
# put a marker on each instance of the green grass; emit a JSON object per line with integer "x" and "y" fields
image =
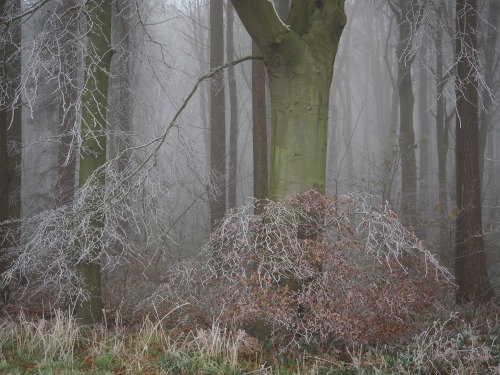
{"x": 59, "y": 346}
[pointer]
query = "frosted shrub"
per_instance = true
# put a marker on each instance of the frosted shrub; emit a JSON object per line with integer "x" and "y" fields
{"x": 323, "y": 267}
{"x": 311, "y": 267}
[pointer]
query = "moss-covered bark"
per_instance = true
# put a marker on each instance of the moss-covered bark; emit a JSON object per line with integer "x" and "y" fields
{"x": 299, "y": 59}
{"x": 93, "y": 152}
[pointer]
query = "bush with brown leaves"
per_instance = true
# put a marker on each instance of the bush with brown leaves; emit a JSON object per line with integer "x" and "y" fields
{"x": 317, "y": 267}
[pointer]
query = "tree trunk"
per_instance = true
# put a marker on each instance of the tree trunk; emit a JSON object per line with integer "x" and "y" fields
{"x": 93, "y": 152}
{"x": 233, "y": 101}
{"x": 125, "y": 104}
{"x": 217, "y": 117}
{"x": 424, "y": 142}
{"x": 260, "y": 170}
{"x": 406, "y": 131}
{"x": 10, "y": 133}
{"x": 442, "y": 145}
{"x": 68, "y": 75}
{"x": 390, "y": 161}
{"x": 470, "y": 264}
{"x": 490, "y": 69}
{"x": 299, "y": 103}
{"x": 299, "y": 62}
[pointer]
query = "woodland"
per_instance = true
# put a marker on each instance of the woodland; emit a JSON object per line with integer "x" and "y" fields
{"x": 249, "y": 186}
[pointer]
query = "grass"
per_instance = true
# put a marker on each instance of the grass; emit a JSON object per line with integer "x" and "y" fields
{"x": 59, "y": 346}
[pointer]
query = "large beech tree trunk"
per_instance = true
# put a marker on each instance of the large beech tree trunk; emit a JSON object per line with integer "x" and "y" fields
{"x": 299, "y": 61}
{"x": 470, "y": 263}
{"x": 93, "y": 152}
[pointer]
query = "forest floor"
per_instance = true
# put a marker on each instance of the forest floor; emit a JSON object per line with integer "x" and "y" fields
{"x": 466, "y": 342}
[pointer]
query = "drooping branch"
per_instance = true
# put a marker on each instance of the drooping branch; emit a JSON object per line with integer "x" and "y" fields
{"x": 161, "y": 140}
{"x": 29, "y": 12}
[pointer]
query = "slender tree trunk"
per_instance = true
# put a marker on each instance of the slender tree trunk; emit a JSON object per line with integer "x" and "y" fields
{"x": 424, "y": 142}
{"x": 260, "y": 170}
{"x": 442, "y": 145}
{"x": 66, "y": 153}
{"x": 470, "y": 264}
{"x": 217, "y": 116}
{"x": 442, "y": 125}
{"x": 390, "y": 160}
{"x": 406, "y": 131}
{"x": 93, "y": 152}
{"x": 490, "y": 69}
{"x": 124, "y": 71}
{"x": 233, "y": 101}
{"x": 10, "y": 134}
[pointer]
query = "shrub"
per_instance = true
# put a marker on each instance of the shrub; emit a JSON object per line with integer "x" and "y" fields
{"x": 315, "y": 267}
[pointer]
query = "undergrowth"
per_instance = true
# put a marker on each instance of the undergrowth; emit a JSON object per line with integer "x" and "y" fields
{"x": 313, "y": 285}
{"x": 455, "y": 344}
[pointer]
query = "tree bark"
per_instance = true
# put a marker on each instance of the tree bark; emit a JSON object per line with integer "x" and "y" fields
{"x": 68, "y": 75}
{"x": 260, "y": 169}
{"x": 10, "y": 134}
{"x": 217, "y": 117}
{"x": 470, "y": 264}
{"x": 490, "y": 69}
{"x": 406, "y": 20}
{"x": 299, "y": 61}
{"x": 93, "y": 150}
{"x": 423, "y": 146}
{"x": 233, "y": 102}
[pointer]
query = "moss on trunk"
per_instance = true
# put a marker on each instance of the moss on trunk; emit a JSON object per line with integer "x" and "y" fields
{"x": 93, "y": 152}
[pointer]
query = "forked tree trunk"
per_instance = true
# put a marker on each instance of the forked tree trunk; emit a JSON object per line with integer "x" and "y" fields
{"x": 299, "y": 61}
{"x": 93, "y": 152}
{"x": 470, "y": 263}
